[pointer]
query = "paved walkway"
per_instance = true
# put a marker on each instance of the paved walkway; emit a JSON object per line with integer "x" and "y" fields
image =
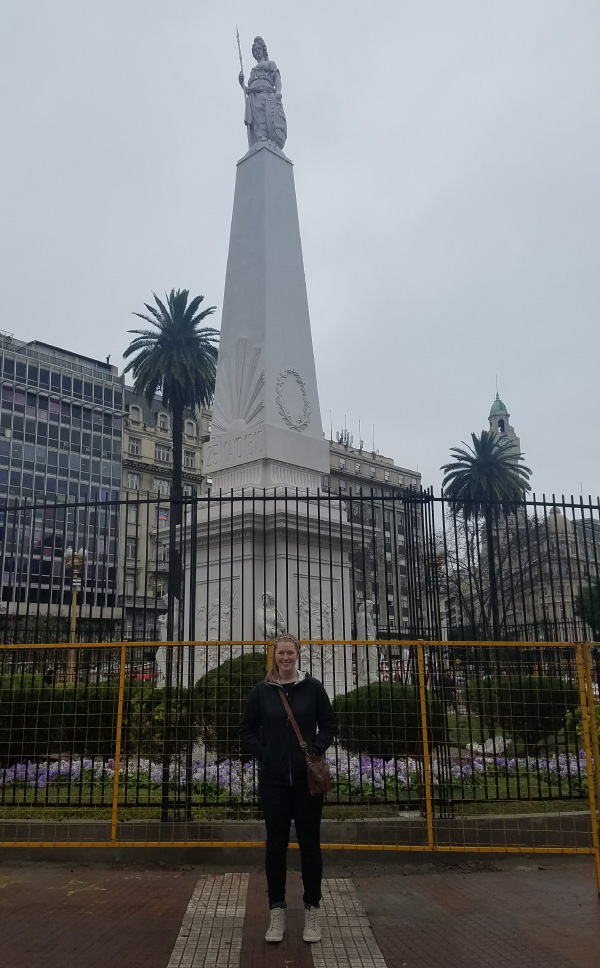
{"x": 522, "y": 914}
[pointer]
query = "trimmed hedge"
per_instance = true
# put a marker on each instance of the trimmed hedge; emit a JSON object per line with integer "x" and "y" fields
{"x": 384, "y": 720}
{"x": 38, "y": 720}
{"x": 528, "y": 708}
{"x": 220, "y": 700}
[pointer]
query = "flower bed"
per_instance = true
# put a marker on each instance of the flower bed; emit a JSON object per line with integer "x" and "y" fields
{"x": 354, "y": 777}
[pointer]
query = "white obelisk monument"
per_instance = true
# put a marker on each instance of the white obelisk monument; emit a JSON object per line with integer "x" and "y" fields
{"x": 266, "y": 425}
{"x": 267, "y": 436}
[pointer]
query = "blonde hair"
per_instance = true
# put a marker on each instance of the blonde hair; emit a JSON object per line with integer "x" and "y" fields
{"x": 273, "y": 671}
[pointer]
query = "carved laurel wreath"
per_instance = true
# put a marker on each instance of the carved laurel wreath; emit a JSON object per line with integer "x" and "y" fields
{"x": 303, "y": 421}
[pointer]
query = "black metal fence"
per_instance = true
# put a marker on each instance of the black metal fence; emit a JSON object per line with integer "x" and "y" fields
{"x": 443, "y": 729}
{"x": 402, "y": 564}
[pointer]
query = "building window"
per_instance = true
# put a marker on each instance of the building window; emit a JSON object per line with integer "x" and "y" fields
{"x": 132, "y": 514}
{"x": 135, "y": 414}
{"x": 135, "y": 446}
{"x": 162, "y": 453}
{"x": 188, "y": 458}
{"x": 133, "y": 482}
{"x": 372, "y": 471}
{"x": 357, "y": 468}
{"x": 343, "y": 486}
{"x": 131, "y": 548}
{"x": 129, "y": 587}
{"x": 162, "y": 518}
{"x": 386, "y": 475}
{"x": 157, "y": 588}
{"x": 163, "y": 421}
{"x": 190, "y": 428}
{"x": 162, "y": 486}
{"x": 188, "y": 490}
{"x": 400, "y": 479}
{"x": 342, "y": 463}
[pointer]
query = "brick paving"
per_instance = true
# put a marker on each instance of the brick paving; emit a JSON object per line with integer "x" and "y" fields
{"x": 54, "y": 916}
{"x": 531, "y": 913}
{"x": 534, "y": 915}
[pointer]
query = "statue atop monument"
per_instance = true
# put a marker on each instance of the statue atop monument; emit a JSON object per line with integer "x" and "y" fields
{"x": 264, "y": 116}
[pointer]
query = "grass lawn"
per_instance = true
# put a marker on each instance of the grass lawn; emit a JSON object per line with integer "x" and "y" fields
{"x": 507, "y": 795}
{"x": 463, "y": 730}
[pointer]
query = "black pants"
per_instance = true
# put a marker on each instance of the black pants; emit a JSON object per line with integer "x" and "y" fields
{"x": 281, "y": 805}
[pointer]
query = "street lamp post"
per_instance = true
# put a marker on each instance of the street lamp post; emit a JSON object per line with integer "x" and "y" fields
{"x": 74, "y": 560}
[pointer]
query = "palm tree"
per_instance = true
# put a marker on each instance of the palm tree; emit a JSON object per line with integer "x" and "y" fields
{"x": 176, "y": 358}
{"x": 484, "y": 481}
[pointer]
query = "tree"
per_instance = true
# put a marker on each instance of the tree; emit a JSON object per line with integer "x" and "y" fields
{"x": 587, "y": 607}
{"x": 178, "y": 359}
{"x": 527, "y": 707}
{"x": 466, "y": 574}
{"x": 486, "y": 480}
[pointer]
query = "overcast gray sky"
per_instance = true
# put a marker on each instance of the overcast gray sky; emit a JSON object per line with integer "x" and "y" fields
{"x": 447, "y": 160}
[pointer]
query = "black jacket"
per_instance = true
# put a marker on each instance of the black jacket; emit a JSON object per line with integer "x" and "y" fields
{"x": 268, "y": 734}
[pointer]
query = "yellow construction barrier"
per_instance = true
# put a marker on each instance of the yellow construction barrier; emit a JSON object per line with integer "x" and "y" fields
{"x": 437, "y": 805}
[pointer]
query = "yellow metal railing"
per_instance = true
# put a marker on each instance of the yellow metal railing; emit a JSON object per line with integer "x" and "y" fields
{"x": 60, "y": 830}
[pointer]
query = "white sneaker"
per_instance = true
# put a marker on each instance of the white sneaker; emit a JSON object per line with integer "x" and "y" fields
{"x": 276, "y": 929}
{"x": 312, "y": 931}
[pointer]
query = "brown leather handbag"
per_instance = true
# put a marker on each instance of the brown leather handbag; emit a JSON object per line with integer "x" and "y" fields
{"x": 317, "y": 767}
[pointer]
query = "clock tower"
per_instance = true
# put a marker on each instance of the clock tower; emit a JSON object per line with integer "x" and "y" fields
{"x": 499, "y": 420}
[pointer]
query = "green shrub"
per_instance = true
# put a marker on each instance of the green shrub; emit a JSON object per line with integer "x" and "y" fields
{"x": 574, "y": 722}
{"x": 38, "y": 720}
{"x": 384, "y": 719}
{"x": 220, "y": 700}
{"x": 528, "y": 708}
{"x": 144, "y": 719}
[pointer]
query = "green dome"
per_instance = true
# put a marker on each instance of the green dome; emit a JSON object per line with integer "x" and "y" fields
{"x": 498, "y": 405}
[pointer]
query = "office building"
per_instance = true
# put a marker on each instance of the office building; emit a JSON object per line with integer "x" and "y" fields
{"x": 60, "y": 442}
{"x": 146, "y": 488}
{"x": 379, "y": 561}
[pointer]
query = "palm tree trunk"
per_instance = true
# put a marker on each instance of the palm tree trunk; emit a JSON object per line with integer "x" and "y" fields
{"x": 173, "y": 604}
{"x": 175, "y": 519}
{"x": 489, "y": 536}
{"x": 177, "y": 415}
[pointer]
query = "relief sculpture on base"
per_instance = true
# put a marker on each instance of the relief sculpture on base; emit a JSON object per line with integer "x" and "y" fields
{"x": 215, "y": 621}
{"x": 269, "y": 620}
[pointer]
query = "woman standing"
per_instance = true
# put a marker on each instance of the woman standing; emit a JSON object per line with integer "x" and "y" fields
{"x": 283, "y": 788}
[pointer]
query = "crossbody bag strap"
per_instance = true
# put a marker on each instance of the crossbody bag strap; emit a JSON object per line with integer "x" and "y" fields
{"x": 292, "y": 720}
